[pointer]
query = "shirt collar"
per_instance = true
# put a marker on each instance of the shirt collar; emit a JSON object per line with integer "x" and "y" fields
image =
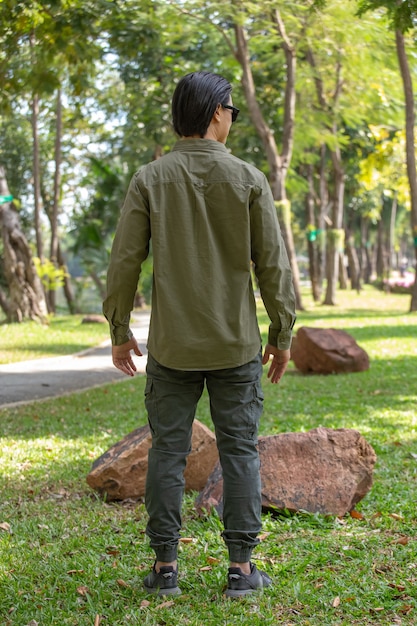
{"x": 206, "y": 145}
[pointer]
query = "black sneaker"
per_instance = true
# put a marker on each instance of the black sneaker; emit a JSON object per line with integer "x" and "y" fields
{"x": 240, "y": 584}
{"x": 162, "y": 583}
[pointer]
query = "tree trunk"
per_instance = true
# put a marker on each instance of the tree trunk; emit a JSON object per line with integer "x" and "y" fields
{"x": 324, "y": 205}
{"x": 312, "y": 238}
{"x": 380, "y": 251}
{"x": 26, "y": 298}
{"x": 99, "y": 283}
{"x": 55, "y": 204}
{"x": 353, "y": 260}
{"x": 278, "y": 164}
{"x": 36, "y": 163}
{"x": 391, "y": 234}
{"x": 410, "y": 148}
{"x": 336, "y": 234}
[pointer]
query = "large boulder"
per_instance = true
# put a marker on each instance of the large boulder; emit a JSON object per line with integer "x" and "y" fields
{"x": 321, "y": 471}
{"x": 327, "y": 351}
{"x": 120, "y": 473}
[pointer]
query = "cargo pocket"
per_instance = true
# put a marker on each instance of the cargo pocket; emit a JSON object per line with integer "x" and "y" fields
{"x": 150, "y": 404}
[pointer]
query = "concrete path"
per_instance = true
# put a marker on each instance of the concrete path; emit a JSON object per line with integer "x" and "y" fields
{"x": 45, "y": 378}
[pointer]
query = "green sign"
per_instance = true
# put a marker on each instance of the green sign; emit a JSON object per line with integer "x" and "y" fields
{"x": 4, "y": 199}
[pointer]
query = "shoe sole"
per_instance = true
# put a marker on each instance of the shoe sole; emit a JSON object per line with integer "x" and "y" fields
{"x": 174, "y": 591}
{"x": 240, "y": 593}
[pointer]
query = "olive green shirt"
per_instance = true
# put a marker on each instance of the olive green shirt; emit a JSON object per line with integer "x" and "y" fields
{"x": 208, "y": 214}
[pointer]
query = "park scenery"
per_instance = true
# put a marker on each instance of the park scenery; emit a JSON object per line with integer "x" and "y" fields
{"x": 326, "y": 92}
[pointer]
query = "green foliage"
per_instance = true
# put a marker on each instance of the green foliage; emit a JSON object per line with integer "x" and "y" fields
{"x": 52, "y": 277}
{"x": 402, "y": 15}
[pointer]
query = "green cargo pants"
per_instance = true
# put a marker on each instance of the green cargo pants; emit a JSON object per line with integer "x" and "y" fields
{"x": 236, "y": 403}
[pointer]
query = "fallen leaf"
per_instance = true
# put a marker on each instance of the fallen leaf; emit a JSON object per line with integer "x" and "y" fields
{"x": 356, "y": 514}
{"x": 212, "y": 560}
{"x": 375, "y": 515}
{"x": 33, "y": 622}
{"x": 166, "y": 605}
{"x": 122, "y": 583}
{"x": 206, "y": 568}
{"x": 397, "y": 517}
{"x": 75, "y": 571}
{"x": 112, "y": 551}
{"x": 403, "y": 541}
{"x": 405, "y": 609}
{"x": 6, "y": 527}
{"x": 263, "y": 536}
{"x": 377, "y": 609}
{"x": 398, "y": 587}
{"x": 144, "y": 603}
{"x": 336, "y": 602}
{"x": 97, "y": 620}
{"x": 187, "y": 539}
{"x": 82, "y": 590}
{"x": 413, "y": 455}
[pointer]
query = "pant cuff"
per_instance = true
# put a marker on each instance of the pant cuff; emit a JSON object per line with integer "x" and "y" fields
{"x": 240, "y": 555}
{"x": 166, "y": 555}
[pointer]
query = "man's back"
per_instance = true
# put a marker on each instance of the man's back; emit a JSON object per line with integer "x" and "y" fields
{"x": 203, "y": 310}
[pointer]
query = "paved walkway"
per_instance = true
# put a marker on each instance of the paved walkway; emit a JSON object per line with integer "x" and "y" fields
{"x": 45, "y": 378}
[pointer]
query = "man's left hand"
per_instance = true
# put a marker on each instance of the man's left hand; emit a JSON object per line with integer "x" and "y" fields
{"x": 279, "y": 363}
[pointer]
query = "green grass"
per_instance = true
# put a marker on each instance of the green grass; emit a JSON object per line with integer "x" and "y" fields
{"x": 63, "y": 335}
{"x": 70, "y": 557}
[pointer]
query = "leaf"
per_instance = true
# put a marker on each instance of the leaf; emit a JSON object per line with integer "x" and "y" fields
{"x": 206, "y": 568}
{"x": 375, "y": 515}
{"x": 6, "y": 527}
{"x": 397, "y": 517}
{"x": 82, "y": 590}
{"x": 212, "y": 560}
{"x": 405, "y": 609}
{"x": 187, "y": 539}
{"x": 122, "y": 583}
{"x": 336, "y": 602}
{"x": 398, "y": 587}
{"x": 263, "y": 536}
{"x": 144, "y": 604}
{"x": 75, "y": 571}
{"x": 166, "y": 605}
{"x": 356, "y": 514}
{"x": 413, "y": 455}
{"x": 97, "y": 620}
{"x": 403, "y": 541}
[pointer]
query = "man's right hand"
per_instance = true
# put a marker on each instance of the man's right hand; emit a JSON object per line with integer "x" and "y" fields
{"x": 122, "y": 359}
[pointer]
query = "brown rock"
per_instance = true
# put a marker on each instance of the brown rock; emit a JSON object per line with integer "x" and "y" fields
{"x": 120, "y": 473}
{"x": 327, "y": 351}
{"x": 322, "y": 471}
{"x": 94, "y": 319}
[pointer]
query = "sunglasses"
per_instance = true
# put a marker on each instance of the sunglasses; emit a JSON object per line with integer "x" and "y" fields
{"x": 234, "y": 110}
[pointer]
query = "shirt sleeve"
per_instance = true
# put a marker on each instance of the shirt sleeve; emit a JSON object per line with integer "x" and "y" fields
{"x": 272, "y": 267}
{"x": 129, "y": 250}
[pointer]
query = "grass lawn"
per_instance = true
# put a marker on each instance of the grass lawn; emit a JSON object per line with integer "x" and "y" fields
{"x": 68, "y": 558}
{"x": 63, "y": 335}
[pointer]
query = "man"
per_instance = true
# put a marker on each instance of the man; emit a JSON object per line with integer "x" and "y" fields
{"x": 209, "y": 215}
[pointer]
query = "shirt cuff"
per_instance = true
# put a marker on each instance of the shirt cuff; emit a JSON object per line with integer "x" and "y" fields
{"x": 281, "y": 340}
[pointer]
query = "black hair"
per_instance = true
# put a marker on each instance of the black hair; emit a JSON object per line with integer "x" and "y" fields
{"x": 195, "y": 100}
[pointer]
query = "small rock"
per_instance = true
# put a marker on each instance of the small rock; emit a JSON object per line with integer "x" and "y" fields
{"x": 120, "y": 473}
{"x": 327, "y": 351}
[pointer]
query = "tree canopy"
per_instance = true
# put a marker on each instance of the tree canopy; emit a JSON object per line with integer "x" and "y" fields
{"x": 85, "y": 100}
